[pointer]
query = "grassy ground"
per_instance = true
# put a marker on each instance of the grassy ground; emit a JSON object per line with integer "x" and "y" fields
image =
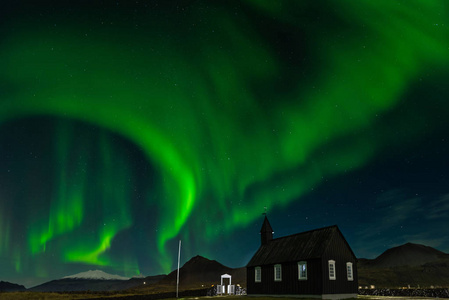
{"x": 55, "y": 296}
{"x": 70, "y": 296}
{"x": 43, "y": 296}
{"x": 74, "y": 296}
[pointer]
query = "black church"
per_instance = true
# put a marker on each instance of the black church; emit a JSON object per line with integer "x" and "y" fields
{"x": 316, "y": 264}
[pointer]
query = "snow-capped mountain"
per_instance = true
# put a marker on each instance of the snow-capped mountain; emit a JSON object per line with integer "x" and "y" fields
{"x": 96, "y": 275}
{"x": 94, "y": 281}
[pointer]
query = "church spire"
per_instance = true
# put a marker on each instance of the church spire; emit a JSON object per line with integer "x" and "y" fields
{"x": 266, "y": 232}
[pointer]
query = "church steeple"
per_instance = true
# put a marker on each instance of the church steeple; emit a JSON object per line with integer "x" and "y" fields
{"x": 266, "y": 232}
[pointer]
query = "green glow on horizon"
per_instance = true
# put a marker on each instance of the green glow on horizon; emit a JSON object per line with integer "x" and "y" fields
{"x": 213, "y": 116}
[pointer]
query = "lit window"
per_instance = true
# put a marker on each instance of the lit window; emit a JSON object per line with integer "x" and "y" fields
{"x": 349, "y": 271}
{"x": 302, "y": 270}
{"x": 332, "y": 275}
{"x": 277, "y": 272}
{"x": 258, "y": 274}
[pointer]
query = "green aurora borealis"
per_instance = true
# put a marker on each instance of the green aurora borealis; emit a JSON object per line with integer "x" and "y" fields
{"x": 154, "y": 122}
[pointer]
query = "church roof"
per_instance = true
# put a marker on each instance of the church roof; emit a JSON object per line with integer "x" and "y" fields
{"x": 296, "y": 247}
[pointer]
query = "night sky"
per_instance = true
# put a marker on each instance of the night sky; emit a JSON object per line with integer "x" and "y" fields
{"x": 126, "y": 126}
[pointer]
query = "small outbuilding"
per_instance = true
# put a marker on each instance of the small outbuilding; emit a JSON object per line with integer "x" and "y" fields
{"x": 315, "y": 264}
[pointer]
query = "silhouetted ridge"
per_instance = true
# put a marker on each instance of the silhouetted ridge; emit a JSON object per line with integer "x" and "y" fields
{"x": 11, "y": 287}
{"x": 408, "y": 255}
{"x": 202, "y": 271}
{"x": 199, "y": 263}
{"x": 411, "y": 264}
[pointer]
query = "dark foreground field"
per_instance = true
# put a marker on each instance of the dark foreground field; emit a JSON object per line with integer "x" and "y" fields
{"x": 415, "y": 294}
{"x": 102, "y": 295}
{"x": 52, "y": 296}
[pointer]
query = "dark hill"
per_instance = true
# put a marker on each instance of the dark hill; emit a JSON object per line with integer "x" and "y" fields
{"x": 409, "y": 264}
{"x": 408, "y": 255}
{"x": 11, "y": 287}
{"x": 200, "y": 271}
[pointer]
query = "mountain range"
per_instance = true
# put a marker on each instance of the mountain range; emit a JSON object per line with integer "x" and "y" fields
{"x": 409, "y": 264}
{"x": 95, "y": 281}
{"x": 198, "y": 272}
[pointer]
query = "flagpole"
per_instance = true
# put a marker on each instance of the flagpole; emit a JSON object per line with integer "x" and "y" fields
{"x": 179, "y": 257}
